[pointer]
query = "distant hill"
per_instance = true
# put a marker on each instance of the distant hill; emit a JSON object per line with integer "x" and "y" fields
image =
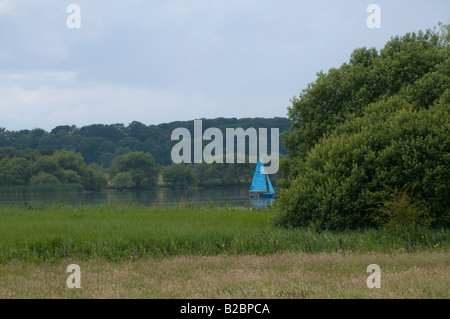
{"x": 101, "y": 143}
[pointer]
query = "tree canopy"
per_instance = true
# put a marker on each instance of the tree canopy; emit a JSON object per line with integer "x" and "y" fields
{"x": 139, "y": 165}
{"x": 101, "y": 143}
{"x": 20, "y": 168}
{"x": 379, "y": 122}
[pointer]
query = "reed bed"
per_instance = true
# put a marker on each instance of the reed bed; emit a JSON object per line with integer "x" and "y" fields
{"x": 50, "y": 233}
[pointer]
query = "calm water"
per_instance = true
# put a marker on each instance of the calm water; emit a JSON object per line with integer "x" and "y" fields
{"x": 227, "y": 196}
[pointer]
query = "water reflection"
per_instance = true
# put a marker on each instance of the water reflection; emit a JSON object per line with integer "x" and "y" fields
{"x": 262, "y": 202}
{"x": 161, "y": 196}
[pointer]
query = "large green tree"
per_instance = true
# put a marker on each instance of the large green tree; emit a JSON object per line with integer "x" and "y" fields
{"x": 178, "y": 175}
{"x": 342, "y": 93}
{"x": 122, "y": 181}
{"x": 15, "y": 171}
{"x": 141, "y": 166}
{"x": 380, "y": 121}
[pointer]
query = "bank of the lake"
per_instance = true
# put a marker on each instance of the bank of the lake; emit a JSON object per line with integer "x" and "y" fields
{"x": 50, "y": 233}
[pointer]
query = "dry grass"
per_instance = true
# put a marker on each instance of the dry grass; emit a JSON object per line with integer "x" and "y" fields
{"x": 285, "y": 276}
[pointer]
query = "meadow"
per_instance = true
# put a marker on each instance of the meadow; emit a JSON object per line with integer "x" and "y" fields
{"x": 38, "y": 233}
{"x": 287, "y": 275}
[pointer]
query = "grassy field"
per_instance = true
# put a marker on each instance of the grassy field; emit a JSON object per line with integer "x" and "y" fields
{"x": 43, "y": 233}
{"x": 277, "y": 276}
{"x": 193, "y": 252}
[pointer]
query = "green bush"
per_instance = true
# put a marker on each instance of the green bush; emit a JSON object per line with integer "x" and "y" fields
{"x": 178, "y": 175}
{"x": 402, "y": 209}
{"x": 44, "y": 178}
{"x": 140, "y": 166}
{"x": 123, "y": 181}
{"x": 344, "y": 175}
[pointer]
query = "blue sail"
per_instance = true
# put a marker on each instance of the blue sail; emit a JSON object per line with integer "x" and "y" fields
{"x": 259, "y": 180}
{"x": 259, "y": 183}
{"x": 271, "y": 190}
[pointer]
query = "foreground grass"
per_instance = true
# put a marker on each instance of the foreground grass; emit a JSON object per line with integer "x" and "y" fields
{"x": 278, "y": 276}
{"x": 43, "y": 233}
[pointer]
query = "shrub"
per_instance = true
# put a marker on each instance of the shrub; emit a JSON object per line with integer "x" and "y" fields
{"x": 402, "y": 209}
{"x": 123, "y": 181}
{"x": 344, "y": 175}
{"x": 44, "y": 178}
{"x": 178, "y": 175}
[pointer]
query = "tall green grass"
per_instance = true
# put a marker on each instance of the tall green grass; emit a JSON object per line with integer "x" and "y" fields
{"x": 38, "y": 233}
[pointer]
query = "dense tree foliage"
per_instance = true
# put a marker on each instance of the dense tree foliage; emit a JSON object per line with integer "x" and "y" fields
{"x": 212, "y": 175}
{"x": 379, "y": 122}
{"x": 122, "y": 181}
{"x": 135, "y": 170}
{"x": 178, "y": 175}
{"x": 118, "y": 156}
{"x": 30, "y": 167}
{"x": 101, "y": 143}
{"x": 140, "y": 166}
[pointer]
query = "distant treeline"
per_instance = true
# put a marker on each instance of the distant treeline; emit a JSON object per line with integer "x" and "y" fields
{"x": 37, "y": 168}
{"x": 115, "y": 156}
{"x": 101, "y": 144}
{"x": 40, "y": 171}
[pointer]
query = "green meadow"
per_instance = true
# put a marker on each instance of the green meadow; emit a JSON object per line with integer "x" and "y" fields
{"x": 51, "y": 233}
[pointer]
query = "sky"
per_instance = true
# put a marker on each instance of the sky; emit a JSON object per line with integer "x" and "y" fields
{"x": 179, "y": 60}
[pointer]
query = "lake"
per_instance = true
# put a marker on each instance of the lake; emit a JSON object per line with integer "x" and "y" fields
{"x": 236, "y": 196}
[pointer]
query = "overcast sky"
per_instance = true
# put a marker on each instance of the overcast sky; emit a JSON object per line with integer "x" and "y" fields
{"x": 162, "y": 61}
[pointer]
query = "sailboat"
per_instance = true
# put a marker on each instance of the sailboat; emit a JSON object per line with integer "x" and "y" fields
{"x": 261, "y": 186}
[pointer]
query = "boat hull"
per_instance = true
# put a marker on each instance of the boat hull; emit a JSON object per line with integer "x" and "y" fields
{"x": 262, "y": 195}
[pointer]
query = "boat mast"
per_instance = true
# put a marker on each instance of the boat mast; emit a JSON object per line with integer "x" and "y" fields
{"x": 267, "y": 183}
